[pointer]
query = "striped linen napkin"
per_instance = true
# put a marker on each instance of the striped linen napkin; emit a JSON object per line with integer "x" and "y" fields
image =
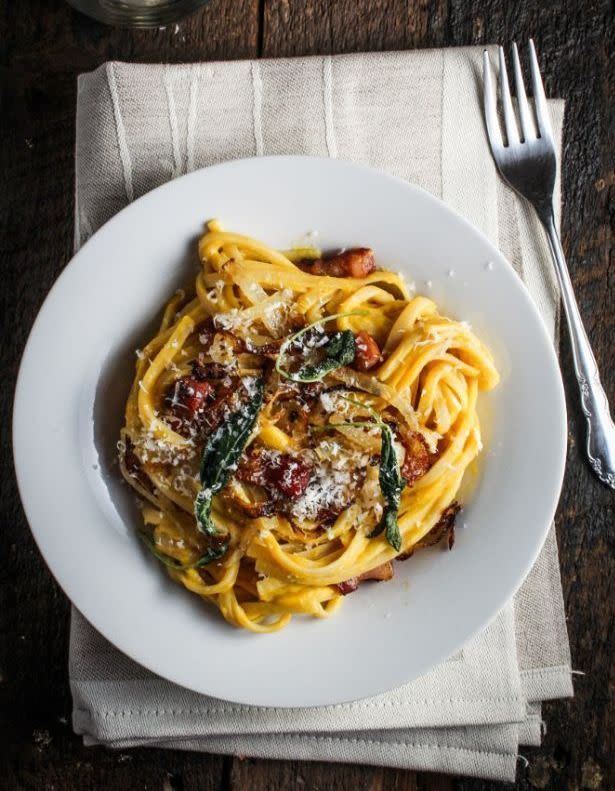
{"x": 416, "y": 115}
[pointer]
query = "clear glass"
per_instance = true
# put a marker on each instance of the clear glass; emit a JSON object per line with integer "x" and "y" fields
{"x": 136, "y": 13}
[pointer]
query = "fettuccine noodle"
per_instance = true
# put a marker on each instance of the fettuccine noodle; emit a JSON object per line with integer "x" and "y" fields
{"x": 293, "y": 527}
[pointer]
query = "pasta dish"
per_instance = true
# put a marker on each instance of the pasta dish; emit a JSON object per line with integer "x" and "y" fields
{"x": 298, "y": 422}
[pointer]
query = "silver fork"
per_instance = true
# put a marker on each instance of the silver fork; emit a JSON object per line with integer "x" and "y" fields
{"x": 528, "y": 164}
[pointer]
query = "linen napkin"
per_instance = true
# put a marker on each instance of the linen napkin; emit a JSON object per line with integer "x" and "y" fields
{"x": 416, "y": 115}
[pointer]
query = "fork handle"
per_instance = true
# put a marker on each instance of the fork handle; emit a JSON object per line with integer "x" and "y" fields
{"x": 600, "y": 429}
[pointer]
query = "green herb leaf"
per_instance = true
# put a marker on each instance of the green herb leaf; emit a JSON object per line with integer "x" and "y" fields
{"x": 391, "y": 486}
{"x": 211, "y": 554}
{"x": 221, "y": 453}
{"x": 339, "y": 351}
{"x": 391, "y": 482}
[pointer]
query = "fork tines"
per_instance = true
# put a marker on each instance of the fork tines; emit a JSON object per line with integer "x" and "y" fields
{"x": 531, "y": 128}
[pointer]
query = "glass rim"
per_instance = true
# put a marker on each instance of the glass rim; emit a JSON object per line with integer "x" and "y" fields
{"x": 143, "y": 14}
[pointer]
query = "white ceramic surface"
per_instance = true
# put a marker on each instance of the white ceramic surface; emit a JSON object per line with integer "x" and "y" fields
{"x": 75, "y": 376}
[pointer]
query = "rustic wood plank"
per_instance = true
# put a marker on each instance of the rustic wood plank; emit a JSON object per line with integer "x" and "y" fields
{"x": 311, "y": 776}
{"x": 61, "y": 39}
{"x": 44, "y": 47}
{"x": 292, "y": 27}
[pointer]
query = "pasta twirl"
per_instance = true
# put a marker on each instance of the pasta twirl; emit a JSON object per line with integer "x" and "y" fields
{"x": 296, "y": 424}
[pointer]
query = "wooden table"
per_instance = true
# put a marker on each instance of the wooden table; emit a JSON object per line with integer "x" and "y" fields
{"x": 44, "y": 45}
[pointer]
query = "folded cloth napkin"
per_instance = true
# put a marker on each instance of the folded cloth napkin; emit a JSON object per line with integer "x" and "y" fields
{"x": 416, "y": 115}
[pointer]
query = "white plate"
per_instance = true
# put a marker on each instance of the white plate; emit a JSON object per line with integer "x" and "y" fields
{"x": 75, "y": 376}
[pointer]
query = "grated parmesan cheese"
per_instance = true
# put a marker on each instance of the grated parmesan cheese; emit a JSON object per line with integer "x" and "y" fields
{"x": 333, "y": 482}
{"x": 221, "y": 350}
{"x": 327, "y": 489}
{"x": 332, "y": 402}
{"x": 277, "y": 312}
{"x": 233, "y": 319}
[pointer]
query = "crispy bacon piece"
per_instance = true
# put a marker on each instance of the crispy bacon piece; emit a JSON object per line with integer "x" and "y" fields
{"x": 304, "y": 392}
{"x": 133, "y": 466}
{"x": 196, "y": 406}
{"x": 348, "y": 586}
{"x": 446, "y": 524}
{"x": 289, "y": 476}
{"x": 204, "y": 371}
{"x": 208, "y": 332}
{"x": 367, "y": 352}
{"x": 271, "y": 347}
{"x": 236, "y": 343}
{"x": 189, "y": 397}
{"x": 380, "y": 574}
{"x": 356, "y": 262}
{"x": 417, "y": 460}
{"x": 444, "y": 528}
{"x": 252, "y": 469}
{"x": 214, "y": 414}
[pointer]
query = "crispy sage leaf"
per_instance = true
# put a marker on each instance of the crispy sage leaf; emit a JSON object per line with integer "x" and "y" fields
{"x": 221, "y": 453}
{"x": 339, "y": 351}
{"x": 391, "y": 481}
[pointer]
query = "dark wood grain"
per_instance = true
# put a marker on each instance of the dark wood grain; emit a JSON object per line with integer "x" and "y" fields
{"x": 44, "y": 45}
